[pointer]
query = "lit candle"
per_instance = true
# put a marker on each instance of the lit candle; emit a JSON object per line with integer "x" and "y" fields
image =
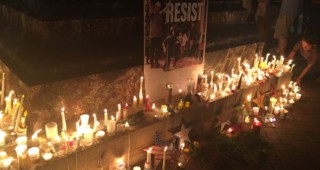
{"x": 153, "y": 107}
{"x": 298, "y": 96}
{"x": 105, "y": 117}
{"x": 149, "y": 155}
{"x": 2, "y": 88}
{"x": 273, "y": 101}
{"x": 34, "y": 153}
{"x": 2, "y": 138}
{"x": 21, "y": 151}
{"x": 8, "y": 105}
{"x": 134, "y": 103}
{"x": 147, "y": 104}
{"x": 111, "y": 126}
{"x": 136, "y": 168}
{"x": 247, "y": 119}
{"x": 22, "y": 140}
{"x": 249, "y": 101}
{"x": 256, "y": 126}
{"x": 51, "y": 130}
{"x": 88, "y": 136}
{"x": 255, "y": 111}
{"x": 6, "y": 163}
{"x": 84, "y": 120}
{"x": 47, "y": 156}
{"x": 100, "y": 134}
{"x": 276, "y": 110}
{"x": 283, "y": 114}
{"x": 117, "y": 116}
{"x": 119, "y": 112}
{"x": 141, "y": 93}
{"x": 164, "y": 158}
{"x": 125, "y": 111}
{"x": 64, "y": 123}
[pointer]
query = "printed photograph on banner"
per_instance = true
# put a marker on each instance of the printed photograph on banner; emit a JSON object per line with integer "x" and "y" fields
{"x": 174, "y": 33}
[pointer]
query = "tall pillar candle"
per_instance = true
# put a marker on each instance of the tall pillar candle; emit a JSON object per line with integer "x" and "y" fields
{"x": 141, "y": 93}
{"x": 164, "y": 158}
{"x": 105, "y": 117}
{"x": 2, "y": 88}
{"x": 64, "y": 123}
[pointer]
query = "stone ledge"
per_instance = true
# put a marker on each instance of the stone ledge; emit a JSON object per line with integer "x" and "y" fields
{"x": 107, "y": 150}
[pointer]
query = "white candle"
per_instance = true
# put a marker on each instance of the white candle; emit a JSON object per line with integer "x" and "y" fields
{"x": 2, "y": 138}
{"x": 8, "y": 105}
{"x": 105, "y": 117}
{"x": 64, "y": 123}
{"x": 22, "y": 140}
{"x": 298, "y": 96}
{"x": 6, "y": 163}
{"x": 141, "y": 93}
{"x": 34, "y": 153}
{"x": 21, "y": 150}
{"x": 136, "y": 168}
{"x": 111, "y": 126}
{"x": 47, "y": 156}
{"x": 149, "y": 155}
{"x": 164, "y": 158}
{"x": 211, "y": 80}
{"x": 255, "y": 111}
{"x": 51, "y": 130}
{"x": 84, "y": 120}
{"x": 88, "y": 136}
{"x": 119, "y": 111}
{"x": 153, "y": 107}
{"x": 100, "y": 134}
{"x": 2, "y": 88}
{"x": 276, "y": 110}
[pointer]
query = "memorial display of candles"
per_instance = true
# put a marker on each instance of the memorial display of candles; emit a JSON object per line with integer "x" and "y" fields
{"x": 212, "y": 86}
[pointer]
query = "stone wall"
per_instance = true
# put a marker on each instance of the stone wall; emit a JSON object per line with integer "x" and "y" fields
{"x": 222, "y": 61}
{"x": 88, "y": 94}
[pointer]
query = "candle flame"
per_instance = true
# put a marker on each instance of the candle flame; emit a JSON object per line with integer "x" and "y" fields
{"x": 105, "y": 110}
{"x": 62, "y": 109}
{"x": 180, "y": 91}
{"x": 112, "y": 117}
{"x": 249, "y": 98}
{"x": 135, "y": 98}
{"x": 149, "y": 150}
{"x": 166, "y": 148}
{"x": 127, "y": 125}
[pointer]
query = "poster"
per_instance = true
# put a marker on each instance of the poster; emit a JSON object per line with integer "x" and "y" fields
{"x": 174, "y": 43}
{"x": 174, "y": 33}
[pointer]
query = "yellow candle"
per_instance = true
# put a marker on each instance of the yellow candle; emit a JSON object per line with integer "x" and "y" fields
{"x": 51, "y": 130}
{"x": 111, "y": 126}
{"x": 2, "y": 138}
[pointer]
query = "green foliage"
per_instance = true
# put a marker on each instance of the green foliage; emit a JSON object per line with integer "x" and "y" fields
{"x": 240, "y": 150}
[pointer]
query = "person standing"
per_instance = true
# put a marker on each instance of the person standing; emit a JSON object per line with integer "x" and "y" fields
{"x": 155, "y": 32}
{"x": 288, "y": 12}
